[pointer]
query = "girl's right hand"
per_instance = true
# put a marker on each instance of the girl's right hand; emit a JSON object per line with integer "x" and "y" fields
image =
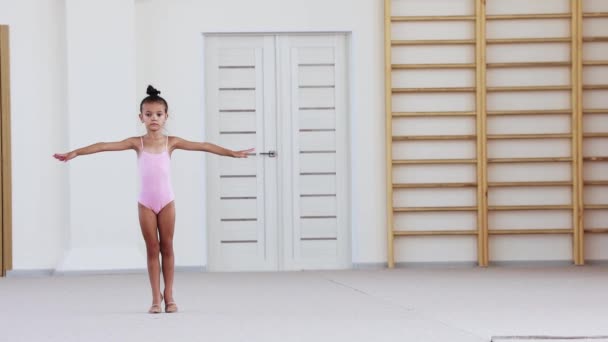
{"x": 64, "y": 157}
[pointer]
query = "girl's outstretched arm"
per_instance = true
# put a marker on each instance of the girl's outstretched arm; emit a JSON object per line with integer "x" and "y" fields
{"x": 127, "y": 144}
{"x": 182, "y": 144}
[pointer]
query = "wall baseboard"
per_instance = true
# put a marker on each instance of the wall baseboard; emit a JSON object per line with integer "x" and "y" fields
{"x": 532, "y": 263}
{"x": 473, "y": 264}
{"x": 370, "y": 265}
{"x": 29, "y": 273}
{"x": 436, "y": 264}
{"x": 596, "y": 262}
{"x": 51, "y": 272}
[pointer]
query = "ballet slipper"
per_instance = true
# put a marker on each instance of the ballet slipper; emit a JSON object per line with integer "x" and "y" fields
{"x": 156, "y": 308}
{"x": 170, "y": 307}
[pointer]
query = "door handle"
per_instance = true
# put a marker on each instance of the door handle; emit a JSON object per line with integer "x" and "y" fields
{"x": 271, "y": 154}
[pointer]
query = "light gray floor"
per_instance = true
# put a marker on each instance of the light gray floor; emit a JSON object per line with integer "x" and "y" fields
{"x": 447, "y": 304}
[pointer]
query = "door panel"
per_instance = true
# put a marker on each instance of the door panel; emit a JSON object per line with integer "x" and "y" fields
{"x": 317, "y": 119}
{"x": 241, "y": 234}
{"x": 314, "y": 94}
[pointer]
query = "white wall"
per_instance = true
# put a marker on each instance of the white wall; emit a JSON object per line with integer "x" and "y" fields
{"x": 170, "y": 56}
{"x": 103, "y": 231}
{"x": 38, "y": 106}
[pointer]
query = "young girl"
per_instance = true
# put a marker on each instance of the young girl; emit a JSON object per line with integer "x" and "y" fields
{"x": 156, "y": 206}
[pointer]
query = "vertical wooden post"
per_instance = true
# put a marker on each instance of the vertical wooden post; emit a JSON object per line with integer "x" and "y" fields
{"x": 6, "y": 262}
{"x": 389, "y": 130}
{"x": 577, "y": 130}
{"x": 480, "y": 105}
{"x": 2, "y": 52}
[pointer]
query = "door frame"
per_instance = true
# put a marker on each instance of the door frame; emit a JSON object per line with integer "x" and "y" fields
{"x": 348, "y": 36}
{"x": 6, "y": 257}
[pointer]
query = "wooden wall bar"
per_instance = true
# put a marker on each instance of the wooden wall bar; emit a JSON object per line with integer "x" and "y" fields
{"x": 401, "y": 104}
{"x": 6, "y": 260}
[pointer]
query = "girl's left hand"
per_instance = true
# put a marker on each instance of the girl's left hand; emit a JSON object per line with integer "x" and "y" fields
{"x": 64, "y": 157}
{"x": 242, "y": 154}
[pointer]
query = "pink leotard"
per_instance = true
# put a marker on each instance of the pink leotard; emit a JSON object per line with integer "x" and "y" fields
{"x": 155, "y": 174}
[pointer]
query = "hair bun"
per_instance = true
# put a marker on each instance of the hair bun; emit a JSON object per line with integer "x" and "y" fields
{"x": 152, "y": 91}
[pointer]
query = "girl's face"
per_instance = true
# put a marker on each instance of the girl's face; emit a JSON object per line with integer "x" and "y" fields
{"x": 153, "y": 115}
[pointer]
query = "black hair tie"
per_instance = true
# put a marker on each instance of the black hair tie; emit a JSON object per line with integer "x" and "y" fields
{"x": 152, "y": 91}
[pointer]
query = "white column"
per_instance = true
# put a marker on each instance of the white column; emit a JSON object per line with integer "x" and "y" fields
{"x": 104, "y": 232}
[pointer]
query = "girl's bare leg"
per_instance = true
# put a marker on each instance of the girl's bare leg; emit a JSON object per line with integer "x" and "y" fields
{"x": 166, "y": 228}
{"x": 149, "y": 229}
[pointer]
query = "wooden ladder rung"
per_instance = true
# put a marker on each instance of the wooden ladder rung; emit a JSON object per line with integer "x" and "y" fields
{"x": 530, "y": 160}
{"x": 528, "y": 207}
{"x": 432, "y": 185}
{"x": 526, "y": 184}
{"x": 595, "y": 87}
{"x": 595, "y": 135}
{"x": 530, "y": 112}
{"x": 529, "y": 88}
{"x": 530, "y": 231}
{"x": 429, "y": 209}
{"x": 596, "y": 182}
{"x": 595, "y": 63}
{"x": 596, "y": 230}
{"x": 528, "y": 40}
{"x": 595, "y": 15}
{"x": 434, "y": 90}
{"x": 433, "y": 232}
{"x": 595, "y": 111}
{"x": 595, "y": 39}
{"x": 595, "y": 206}
{"x": 434, "y": 161}
{"x": 529, "y": 136}
{"x": 432, "y": 18}
{"x": 528, "y": 64}
{"x": 434, "y": 66}
{"x": 529, "y": 16}
{"x": 433, "y": 42}
{"x": 595, "y": 158}
{"x": 433, "y": 137}
{"x": 429, "y": 114}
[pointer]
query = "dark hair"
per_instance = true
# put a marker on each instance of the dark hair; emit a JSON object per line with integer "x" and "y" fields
{"x": 153, "y": 97}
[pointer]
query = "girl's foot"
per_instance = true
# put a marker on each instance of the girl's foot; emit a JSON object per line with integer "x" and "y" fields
{"x": 170, "y": 307}
{"x": 155, "y": 308}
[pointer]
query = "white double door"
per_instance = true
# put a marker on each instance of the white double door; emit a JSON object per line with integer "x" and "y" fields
{"x": 287, "y": 206}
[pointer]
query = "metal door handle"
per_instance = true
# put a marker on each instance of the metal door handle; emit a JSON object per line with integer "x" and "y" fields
{"x": 271, "y": 154}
